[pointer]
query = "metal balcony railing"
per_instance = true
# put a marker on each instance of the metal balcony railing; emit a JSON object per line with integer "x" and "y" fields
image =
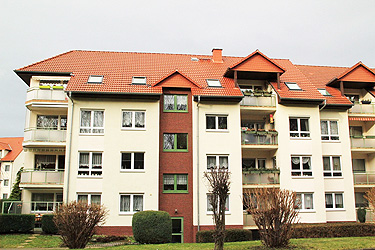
{"x": 45, "y": 94}
{"x": 259, "y": 101}
{"x": 259, "y": 137}
{"x": 42, "y": 177}
{"x": 44, "y": 135}
{"x": 363, "y": 141}
{"x": 261, "y": 177}
{"x": 364, "y": 178}
{"x": 360, "y": 108}
{"x": 20, "y": 207}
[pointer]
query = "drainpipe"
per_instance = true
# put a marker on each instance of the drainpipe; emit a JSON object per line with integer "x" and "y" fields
{"x": 198, "y": 179}
{"x": 324, "y": 105}
{"x": 69, "y": 147}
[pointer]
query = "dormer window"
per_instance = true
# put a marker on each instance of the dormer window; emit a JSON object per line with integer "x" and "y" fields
{"x": 292, "y": 86}
{"x": 95, "y": 79}
{"x": 324, "y": 92}
{"x": 139, "y": 80}
{"x": 213, "y": 83}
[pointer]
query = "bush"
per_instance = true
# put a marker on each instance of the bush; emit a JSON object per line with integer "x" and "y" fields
{"x": 152, "y": 227}
{"x": 48, "y": 226}
{"x": 110, "y": 238}
{"x": 328, "y": 230}
{"x": 231, "y": 235}
{"x": 16, "y": 223}
{"x": 361, "y": 215}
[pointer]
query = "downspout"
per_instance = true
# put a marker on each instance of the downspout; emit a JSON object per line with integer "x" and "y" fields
{"x": 70, "y": 146}
{"x": 198, "y": 179}
{"x": 324, "y": 105}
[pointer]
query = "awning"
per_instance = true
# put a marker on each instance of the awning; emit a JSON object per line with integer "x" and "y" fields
{"x": 362, "y": 119}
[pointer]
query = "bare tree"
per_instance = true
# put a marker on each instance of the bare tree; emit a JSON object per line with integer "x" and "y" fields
{"x": 219, "y": 185}
{"x": 274, "y": 212}
{"x": 76, "y": 222}
{"x": 370, "y": 197}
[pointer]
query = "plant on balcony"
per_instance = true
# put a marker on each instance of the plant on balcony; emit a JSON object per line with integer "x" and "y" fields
{"x": 248, "y": 92}
{"x": 16, "y": 191}
{"x": 260, "y": 170}
{"x": 58, "y": 87}
{"x": 366, "y": 101}
{"x": 44, "y": 87}
{"x": 272, "y": 131}
{"x": 361, "y": 214}
{"x": 267, "y": 94}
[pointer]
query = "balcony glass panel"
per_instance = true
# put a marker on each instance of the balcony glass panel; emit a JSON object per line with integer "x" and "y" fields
{"x": 364, "y": 178}
{"x": 45, "y": 94}
{"x": 259, "y": 138}
{"x": 42, "y": 177}
{"x": 45, "y": 135}
{"x": 263, "y": 100}
{"x": 363, "y": 108}
{"x": 265, "y": 177}
{"x": 363, "y": 142}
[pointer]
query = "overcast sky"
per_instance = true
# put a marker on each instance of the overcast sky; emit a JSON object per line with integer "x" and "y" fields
{"x": 334, "y": 32}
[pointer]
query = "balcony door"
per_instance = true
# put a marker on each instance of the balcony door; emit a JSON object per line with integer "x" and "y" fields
{"x": 177, "y": 230}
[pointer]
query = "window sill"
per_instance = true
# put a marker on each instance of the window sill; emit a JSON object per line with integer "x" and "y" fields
{"x": 89, "y": 177}
{"x": 90, "y": 134}
{"x": 132, "y": 171}
{"x": 175, "y": 192}
{"x": 175, "y": 111}
{"x": 335, "y": 209}
{"x": 300, "y": 138}
{"x": 333, "y": 177}
{"x": 218, "y": 130}
{"x": 331, "y": 141}
{"x": 127, "y": 213}
{"x": 211, "y": 213}
{"x": 176, "y": 150}
{"x": 133, "y": 129}
{"x": 307, "y": 210}
{"x": 302, "y": 177}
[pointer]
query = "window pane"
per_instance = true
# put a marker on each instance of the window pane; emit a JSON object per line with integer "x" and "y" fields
{"x": 209, "y": 206}
{"x": 211, "y": 162}
{"x": 181, "y": 102}
{"x": 84, "y": 160}
{"x": 168, "y": 102}
{"x": 324, "y": 127}
{"x": 63, "y": 122}
{"x": 339, "y": 201}
{"x": 139, "y": 119}
{"x": 293, "y": 124}
{"x": 45, "y": 162}
{"x": 98, "y": 118}
{"x": 126, "y": 161}
{"x": 96, "y": 199}
{"x": 336, "y": 163}
{"x": 137, "y": 203}
{"x": 304, "y": 124}
{"x": 125, "y": 203}
{"x": 222, "y": 122}
{"x": 127, "y": 119}
{"x": 168, "y": 141}
{"x": 182, "y": 182}
{"x": 334, "y": 128}
{"x": 210, "y": 122}
{"x": 295, "y": 163}
{"x": 181, "y": 141}
{"x": 83, "y": 198}
{"x": 359, "y": 165}
{"x": 248, "y": 163}
{"x": 85, "y": 118}
{"x": 223, "y": 161}
{"x": 47, "y": 121}
{"x": 138, "y": 160}
{"x": 306, "y": 163}
{"x": 298, "y": 201}
{"x": 326, "y": 164}
{"x": 96, "y": 160}
{"x": 309, "y": 201}
{"x": 168, "y": 181}
{"x": 261, "y": 163}
{"x": 329, "y": 201}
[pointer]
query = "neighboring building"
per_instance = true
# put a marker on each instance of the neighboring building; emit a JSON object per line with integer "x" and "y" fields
{"x": 136, "y": 131}
{"x": 11, "y": 160}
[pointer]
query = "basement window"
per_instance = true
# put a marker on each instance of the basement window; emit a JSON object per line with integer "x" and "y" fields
{"x": 213, "y": 83}
{"x": 95, "y": 79}
{"x": 324, "y": 92}
{"x": 292, "y": 86}
{"x": 139, "y": 80}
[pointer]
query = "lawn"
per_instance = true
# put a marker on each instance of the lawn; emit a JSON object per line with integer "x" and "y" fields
{"x": 46, "y": 241}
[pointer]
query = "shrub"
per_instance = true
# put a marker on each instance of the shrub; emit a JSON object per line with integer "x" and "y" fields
{"x": 361, "y": 214}
{"x": 16, "y": 223}
{"x": 110, "y": 238}
{"x": 328, "y": 230}
{"x": 231, "y": 235}
{"x": 48, "y": 225}
{"x": 152, "y": 227}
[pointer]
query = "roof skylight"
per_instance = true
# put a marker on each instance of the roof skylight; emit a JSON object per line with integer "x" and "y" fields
{"x": 95, "y": 79}
{"x": 140, "y": 80}
{"x": 292, "y": 86}
{"x": 324, "y": 92}
{"x": 213, "y": 83}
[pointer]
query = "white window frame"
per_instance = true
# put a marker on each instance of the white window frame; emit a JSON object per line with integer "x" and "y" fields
{"x": 217, "y": 159}
{"x": 298, "y": 131}
{"x": 91, "y": 127}
{"x": 6, "y": 183}
{"x": 139, "y": 80}
{"x": 7, "y": 168}
{"x": 292, "y": 86}
{"x": 324, "y": 92}
{"x": 227, "y": 211}
{"x": 133, "y": 127}
{"x": 95, "y": 79}
{"x": 132, "y": 158}
{"x": 303, "y": 203}
{"x": 329, "y": 135}
{"x": 59, "y": 127}
{"x": 301, "y": 170}
{"x": 331, "y": 171}
{"x": 90, "y": 169}
{"x": 213, "y": 83}
{"x": 89, "y": 201}
{"x": 333, "y": 194}
{"x": 131, "y": 202}
{"x": 217, "y": 122}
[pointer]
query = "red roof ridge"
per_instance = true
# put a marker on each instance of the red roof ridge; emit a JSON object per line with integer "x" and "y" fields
{"x": 352, "y": 68}
{"x": 321, "y": 66}
{"x": 174, "y": 72}
{"x": 252, "y": 54}
{"x": 45, "y": 60}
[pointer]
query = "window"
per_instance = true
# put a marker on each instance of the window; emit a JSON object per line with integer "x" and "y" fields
{"x": 213, "y": 83}
{"x": 299, "y": 127}
{"x": 132, "y": 161}
{"x": 90, "y": 164}
{"x": 6, "y": 182}
{"x": 175, "y": 183}
{"x": 359, "y": 165}
{"x": 7, "y": 168}
{"x": 330, "y": 130}
{"x": 356, "y": 131}
{"x": 133, "y": 119}
{"x": 5, "y": 196}
{"x": 324, "y": 92}
{"x": 90, "y": 198}
{"x": 52, "y": 122}
{"x": 175, "y": 103}
{"x": 253, "y": 163}
{"x": 301, "y": 166}
{"x": 92, "y": 122}
{"x": 352, "y": 98}
{"x": 252, "y": 125}
{"x": 43, "y": 202}
{"x": 217, "y": 122}
{"x": 304, "y": 201}
{"x": 220, "y": 161}
{"x": 209, "y": 206}
{"x": 140, "y": 80}
{"x": 175, "y": 142}
{"x": 334, "y": 200}
{"x": 292, "y": 86}
{"x": 131, "y": 203}
{"x": 331, "y": 166}
{"x": 360, "y": 200}
{"x": 45, "y": 162}
{"x": 95, "y": 79}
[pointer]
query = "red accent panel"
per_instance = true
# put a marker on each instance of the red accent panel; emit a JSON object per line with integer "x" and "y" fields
{"x": 114, "y": 230}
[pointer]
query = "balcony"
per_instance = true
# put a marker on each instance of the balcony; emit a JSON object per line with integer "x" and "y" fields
{"x": 260, "y": 177}
{"x": 259, "y": 139}
{"x": 362, "y": 109}
{"x": 365, "y": 144}
{"x": 42, "y": 179}
{"x": 20, "y": 207}
{"x": 248, "y": 221}
{"x": 44, "y": 137}
{"x": 259, "y": 101}
{"x": 37, "y": 98}
{"x": 364, "y": 179}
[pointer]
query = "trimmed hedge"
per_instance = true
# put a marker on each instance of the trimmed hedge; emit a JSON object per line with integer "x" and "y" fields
{"x": 16, "y": 223}
{"x": 48, "y": 226}
{"x": 328, "y": 230}
{"x": 152, "y": 227}
{"x": 231, "y": 235}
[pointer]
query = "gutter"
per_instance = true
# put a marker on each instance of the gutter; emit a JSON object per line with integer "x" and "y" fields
{"x": 324, "y": 105}
{"x": 198, "y": 179}
{"x": 69, "y": 147}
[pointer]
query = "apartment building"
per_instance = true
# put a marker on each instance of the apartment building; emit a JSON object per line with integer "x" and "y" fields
{"x": 136, "y": 131}
{"x": 11, "y": 160}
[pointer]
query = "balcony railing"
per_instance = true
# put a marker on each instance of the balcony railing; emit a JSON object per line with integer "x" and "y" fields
{"x": 360, "y": 108}
{"x": 42, "y": 177}
{"x": 45, "y": 94}
{"x": 255, "y": 100}
{"x": 45, "y": 135}
{"x": 259, "y": 137}
{"x": 248, "y": 220}
{"x": 363, "y": 142}
{"x": 261, "y": 177}
{"x": 20, "y": 207}
{"x": 364, "y": 178}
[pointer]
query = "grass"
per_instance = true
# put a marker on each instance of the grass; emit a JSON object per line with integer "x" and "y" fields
{"x": 47, "y": 241}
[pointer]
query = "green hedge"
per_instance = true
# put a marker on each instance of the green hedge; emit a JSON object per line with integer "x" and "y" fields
{"x": 328, "y": 230}
{"x": 231, "y": 235}
{"x": 16, "y": 223}
{"x": 48, "y": 226}
{"x": 152, "y": 227}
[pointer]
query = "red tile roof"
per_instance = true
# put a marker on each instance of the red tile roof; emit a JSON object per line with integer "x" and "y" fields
{"x": 14, "y": 145}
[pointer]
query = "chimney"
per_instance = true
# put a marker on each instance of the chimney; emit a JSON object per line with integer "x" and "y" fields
{"x": 217, "y": 55}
